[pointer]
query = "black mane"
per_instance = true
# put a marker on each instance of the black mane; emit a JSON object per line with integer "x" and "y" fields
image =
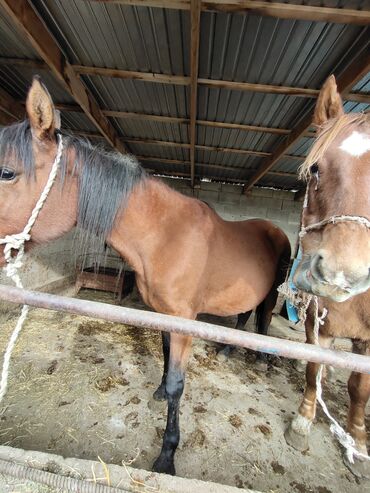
{"x": 106, "y": 178}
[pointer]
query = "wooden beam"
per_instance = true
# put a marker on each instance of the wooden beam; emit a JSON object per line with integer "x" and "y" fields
{"x": 210, "y": 166}
{"x": 353, "y": 73}
{"x": 10, "y": 106}
{"x": 177, "y": 80}
{"x": 271, "y": 9}
{"x": 185, "y": 121}
{"x": 290, "y": 11}
{"x": 24, "y": 63}
{"x": 181, "y": 80}
{"x": 185, "y": 145}
{"x": 28, "y": 22}
{"x": 186, "y": 81}
{"x": 194, "y": 67}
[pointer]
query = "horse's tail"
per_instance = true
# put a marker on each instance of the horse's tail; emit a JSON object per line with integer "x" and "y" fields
{"x": 264, "y": 309}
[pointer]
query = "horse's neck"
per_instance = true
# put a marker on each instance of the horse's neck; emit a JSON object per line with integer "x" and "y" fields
{"x": 145, "y": 222}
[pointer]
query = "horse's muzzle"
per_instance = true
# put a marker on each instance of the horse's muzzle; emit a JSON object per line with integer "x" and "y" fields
{"x": 307, "y": 278}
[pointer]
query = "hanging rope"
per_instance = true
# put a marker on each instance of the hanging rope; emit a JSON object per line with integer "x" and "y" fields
{"x": 16, "y": 242}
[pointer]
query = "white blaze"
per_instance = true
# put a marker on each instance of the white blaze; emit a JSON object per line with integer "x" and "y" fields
{"x": 356, "y": 144}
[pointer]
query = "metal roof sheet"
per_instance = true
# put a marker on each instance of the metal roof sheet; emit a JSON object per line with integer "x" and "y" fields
{"x": 233, "y": 47}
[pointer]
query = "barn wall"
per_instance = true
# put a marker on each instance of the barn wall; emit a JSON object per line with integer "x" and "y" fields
{"x": 50, "y": 267}
{"x": 231, "y": 204}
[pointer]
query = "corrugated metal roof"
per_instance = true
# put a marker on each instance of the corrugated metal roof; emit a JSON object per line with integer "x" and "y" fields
{"x": 233, "y": 47}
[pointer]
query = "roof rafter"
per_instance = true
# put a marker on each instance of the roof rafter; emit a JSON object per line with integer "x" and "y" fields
{"x": 28, "y": 22}
{"x": 186, "y": 145}
{"x": 272, "y": 9}
{"x": 182, "y": 80}
{"x": 351, "y": 75}
{"x": 208, "y": 165}
{"x": 180, "y": 120}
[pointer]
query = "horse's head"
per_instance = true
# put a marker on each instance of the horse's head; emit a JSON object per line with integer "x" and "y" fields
{"x": 336, "y": 253}
{"x": 27, "y": 152}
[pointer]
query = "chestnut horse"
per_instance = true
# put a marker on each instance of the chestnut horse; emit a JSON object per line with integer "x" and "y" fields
{"x": 335, "y": 264}
{"x": 187, "y": 259}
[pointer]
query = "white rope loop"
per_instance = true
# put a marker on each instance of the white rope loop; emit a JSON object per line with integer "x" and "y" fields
{"x": 16, "y": 242}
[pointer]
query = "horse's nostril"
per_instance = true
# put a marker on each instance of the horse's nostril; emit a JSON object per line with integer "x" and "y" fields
{"x": 316, "y": 267}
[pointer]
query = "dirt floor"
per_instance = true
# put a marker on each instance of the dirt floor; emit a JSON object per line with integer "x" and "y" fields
{"x": 83, "y": 388}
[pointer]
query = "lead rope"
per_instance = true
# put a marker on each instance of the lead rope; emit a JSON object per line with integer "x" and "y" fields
{"x": 302, "y": 301}
{"x": 16, "y": 242}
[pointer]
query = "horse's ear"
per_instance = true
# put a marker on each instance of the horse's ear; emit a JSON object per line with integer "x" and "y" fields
{"x": 329, "y": 103}
{"x": 41, "y": 111}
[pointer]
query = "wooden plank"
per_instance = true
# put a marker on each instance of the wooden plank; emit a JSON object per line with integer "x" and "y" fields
{"x": 194, "y": 67}
{"x": 353, "y": 73}
{"x": 271, "y": 9}
{"x": 178, "y": 80}
{"x": 28, "y": 22}
{"x": 232, "y": 150}
{"x": 186, "y": 81}
{"x": 263, "y": 88}
{"x": 210, "y": 166}
{"x": 290, "y": 11}
{"x": 24, "y": 62}
{"x": 11, "y": 107}
{"x": 198, "y": 147}
{"x": 211, "y": 83}
{"x": 185, "y": 121}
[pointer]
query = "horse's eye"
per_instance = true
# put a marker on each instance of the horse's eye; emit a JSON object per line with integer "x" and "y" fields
{"x": 314, "y": 170}
{"x": 7, "y": 174}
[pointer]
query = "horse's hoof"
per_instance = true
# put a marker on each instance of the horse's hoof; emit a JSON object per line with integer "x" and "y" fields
{"x": 360, "y": 468}
{"x": 296, "y": 440}
{"x": 160, "y": 394}
{"x": 164, "y": 466}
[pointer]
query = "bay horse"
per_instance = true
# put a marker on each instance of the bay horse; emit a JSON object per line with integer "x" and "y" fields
{"x": 335, "y": 264}
{"x": 187, "y": 259}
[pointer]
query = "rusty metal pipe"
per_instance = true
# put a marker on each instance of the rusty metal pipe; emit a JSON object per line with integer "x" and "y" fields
{"x": 158, "y": 321}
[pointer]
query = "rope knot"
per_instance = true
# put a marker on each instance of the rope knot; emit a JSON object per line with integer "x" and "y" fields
{"x": 15, "y": 242}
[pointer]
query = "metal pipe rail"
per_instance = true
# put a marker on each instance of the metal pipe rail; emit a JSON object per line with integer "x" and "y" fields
{"x": 158, "y": 321}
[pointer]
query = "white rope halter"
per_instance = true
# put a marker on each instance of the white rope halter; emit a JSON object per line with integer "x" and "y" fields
{"x": 16, "y": 242}
{"x": 302, "y": 301}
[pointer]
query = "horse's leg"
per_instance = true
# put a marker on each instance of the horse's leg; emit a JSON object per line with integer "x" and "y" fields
{"x": 263, "y": 320}
{"x": 227, "y": 349}
{"x": 179, "y": 354}
{"x": 160, "y": 393}
{"x": 297, "y": 432}
{"x": 359, "y": 393}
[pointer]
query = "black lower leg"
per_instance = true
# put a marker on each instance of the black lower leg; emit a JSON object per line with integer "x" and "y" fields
{"x": 263, "y": 320}
{"x": 174, "y": 390}
{"x": 226, "y": 349}
{"x": 160, "y": 393}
